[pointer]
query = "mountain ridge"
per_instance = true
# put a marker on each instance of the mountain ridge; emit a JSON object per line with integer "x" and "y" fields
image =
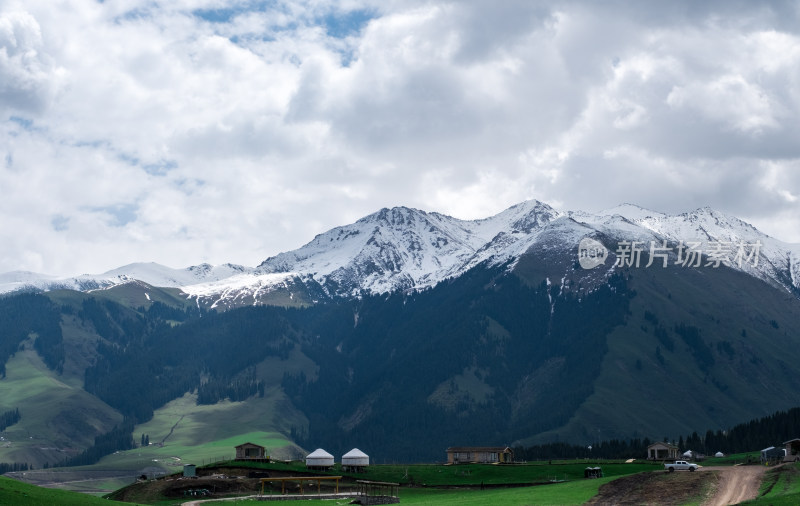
{"x": 404, "y": 249}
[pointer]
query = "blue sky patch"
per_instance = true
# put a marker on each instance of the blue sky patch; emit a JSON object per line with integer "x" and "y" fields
{"x": 119, "y": 214}
{"x": 343, "y": 24}
{"x": 59, "y": 222}
{"x": 160, "y": 168}
{"x": 223, "y": 15}
{"x": 25, "y": 123}
{"x": 226, "y": 14}
{"x": 136, "y": 14}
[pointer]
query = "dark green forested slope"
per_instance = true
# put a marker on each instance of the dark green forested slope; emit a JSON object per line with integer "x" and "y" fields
{"x": 492, "y": 357}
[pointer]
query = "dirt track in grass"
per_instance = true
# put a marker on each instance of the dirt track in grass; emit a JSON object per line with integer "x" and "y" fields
{"x": 736, "y": 484}
{"x": 710, "y": 486}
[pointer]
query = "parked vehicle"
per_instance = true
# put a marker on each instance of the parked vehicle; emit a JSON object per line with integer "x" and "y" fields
{"x": 680, "y": 465}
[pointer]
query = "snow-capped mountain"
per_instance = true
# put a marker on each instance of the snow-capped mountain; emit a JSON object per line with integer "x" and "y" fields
{"x": 151, "y": 273}
{"x": 777, "y": 262}
{"x": 402, "y": 248}
{"x": 408, "y": 249}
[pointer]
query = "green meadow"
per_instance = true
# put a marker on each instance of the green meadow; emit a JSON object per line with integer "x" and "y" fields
{"x": 182, "y": 432}
{"x": 16, "y": 493}
{"x": 780, "y": 487}
{"x": 566, "y": 494}
{"x": 46, "y": 403}
{"x": 437, "y": 475}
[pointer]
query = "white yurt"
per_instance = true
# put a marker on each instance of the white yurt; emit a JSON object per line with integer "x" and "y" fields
{"x": 719, "y": 454}
{"x": 355, "y": 459}
{"x": 319, "y": 458}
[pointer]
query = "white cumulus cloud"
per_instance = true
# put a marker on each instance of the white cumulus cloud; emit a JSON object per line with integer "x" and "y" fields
{"x": 228, "y": 131}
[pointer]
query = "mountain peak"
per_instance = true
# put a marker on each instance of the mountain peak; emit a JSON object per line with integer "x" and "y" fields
{"x": 402, "y": 248}
{"x": 395, "y": 216}
{"x": 631, "y": 212}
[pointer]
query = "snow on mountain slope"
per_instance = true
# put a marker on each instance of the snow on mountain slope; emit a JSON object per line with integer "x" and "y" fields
{"x": 16, "y": 280}
{"x": 150, "y": 273}
{"x": 239, "y": 289}
{"x": 778, "y": 262}
{"x": 407, "y": 249}
{"x": 24, "y": 280}
{"x": 159, "y": 275}
{"x": 631, "y": 212}
{"x": 402, "y": 248}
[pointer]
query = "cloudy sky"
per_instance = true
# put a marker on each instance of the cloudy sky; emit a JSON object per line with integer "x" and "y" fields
{"x": 189, "y": 131}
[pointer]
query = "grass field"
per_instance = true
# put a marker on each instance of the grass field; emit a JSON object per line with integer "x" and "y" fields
{"x": 572, "y": 493}
{"x": 781, "y": 487}
{"x": 534, "y": 483}
{"x": 16, "y": 493}
{"x": 475, "y": 474}
{"x": 437, "y": 475}
{"x": 732, "y": 460}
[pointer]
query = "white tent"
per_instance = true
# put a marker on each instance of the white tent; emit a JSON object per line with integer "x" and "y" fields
{"x": 355, "y": 458}
{"x": 687, "y": 454}
{"x": 319, "y": 458}
{"x": 719, "y": 454}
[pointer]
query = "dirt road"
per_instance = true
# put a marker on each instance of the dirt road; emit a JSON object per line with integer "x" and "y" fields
{"x": 736, "y": 484}
{"x": 720, "y": 485}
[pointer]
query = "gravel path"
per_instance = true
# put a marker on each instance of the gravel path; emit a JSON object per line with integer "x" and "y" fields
{"x": 736, "y": 484}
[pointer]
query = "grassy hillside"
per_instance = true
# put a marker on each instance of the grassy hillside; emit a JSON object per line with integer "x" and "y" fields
{"x": 780, "y": 487}
{"x": 655, "y": 379}
{"x": 181, "y": 433}
{"x": 60, "y": 419}
{"x": 131, "y": 295}
{"x": 23, "y": 494}
{"x": 51, "y": 428}
{"x": 184, "y": 433}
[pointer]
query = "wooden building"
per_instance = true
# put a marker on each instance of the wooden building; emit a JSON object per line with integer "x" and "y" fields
{"x": 792, "y": 450}
{"x": 250, "y": 451}
{"x": 663, "y": 451}
{"x": 480, "y": 454}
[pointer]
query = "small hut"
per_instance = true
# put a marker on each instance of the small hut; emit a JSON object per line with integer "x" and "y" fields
{"x": 319, "y": 459}
{"x": 355, "y": 460}
{"x": 792, "y": 450}
{"x": 772, "y": 455}
{"x": 480, "y": 454}
{"x": 250, "y": 451}
{"x": 593, "y": 472}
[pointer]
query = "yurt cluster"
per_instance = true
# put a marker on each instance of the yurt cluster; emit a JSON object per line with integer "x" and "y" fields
{"x": 353, "y": 461}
